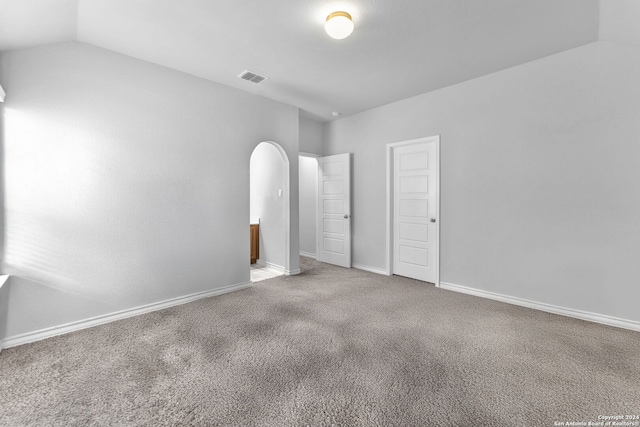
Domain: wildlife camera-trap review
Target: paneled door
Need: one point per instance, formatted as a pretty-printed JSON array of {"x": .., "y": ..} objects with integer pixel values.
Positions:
[
  {"x": 334, "y": 210},
  {"x": 415, "y": 209}
]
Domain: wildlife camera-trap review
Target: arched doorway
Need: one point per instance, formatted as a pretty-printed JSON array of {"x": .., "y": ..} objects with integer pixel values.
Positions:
[{"x": 270, "y": 204}]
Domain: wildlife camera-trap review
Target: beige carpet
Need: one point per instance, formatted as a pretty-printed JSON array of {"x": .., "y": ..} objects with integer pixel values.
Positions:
[{"x": 328, "y": 347}]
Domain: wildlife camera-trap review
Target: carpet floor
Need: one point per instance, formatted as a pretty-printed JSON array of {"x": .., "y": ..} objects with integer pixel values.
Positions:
[{"x": 331, "y": 346}]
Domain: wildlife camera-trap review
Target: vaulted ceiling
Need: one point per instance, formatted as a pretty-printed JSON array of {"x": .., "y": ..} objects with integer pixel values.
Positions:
[{"x": 399, "y": 48}]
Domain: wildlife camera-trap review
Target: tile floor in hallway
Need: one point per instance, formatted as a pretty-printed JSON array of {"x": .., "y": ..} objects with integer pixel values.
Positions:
[{"x": 260, "y": 272}]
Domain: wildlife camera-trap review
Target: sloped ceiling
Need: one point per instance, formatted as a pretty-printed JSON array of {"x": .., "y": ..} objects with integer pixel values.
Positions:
[
  {"x": 620, "y": 21},
  {"x": 28, "y": 23},
  {"x": 399, "y": 48}
]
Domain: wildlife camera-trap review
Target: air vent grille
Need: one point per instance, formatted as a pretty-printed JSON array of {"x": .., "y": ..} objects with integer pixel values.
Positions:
[{"x": 252, "y": 77}]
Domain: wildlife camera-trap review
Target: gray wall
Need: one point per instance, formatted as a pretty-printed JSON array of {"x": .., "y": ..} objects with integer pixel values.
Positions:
[
  {"x": 4, "y": 306},
  {"x": 539, "y": 178},
  {"x": 311, "y": 136},
  {"x": 267, "y": 171},
  {"x": 127, "y": 183}
]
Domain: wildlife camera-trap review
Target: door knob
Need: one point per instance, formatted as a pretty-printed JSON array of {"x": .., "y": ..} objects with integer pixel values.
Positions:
[
  {"x": 346, "y": 216},
  {"x": 433, "y": 220}
]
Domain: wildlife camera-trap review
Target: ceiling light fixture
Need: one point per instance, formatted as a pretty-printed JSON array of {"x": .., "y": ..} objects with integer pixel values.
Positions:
[{"x": 339, "y": 25}]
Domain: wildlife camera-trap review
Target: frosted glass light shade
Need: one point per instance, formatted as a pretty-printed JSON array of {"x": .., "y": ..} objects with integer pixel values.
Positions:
[{"x": 339, "y": 25}]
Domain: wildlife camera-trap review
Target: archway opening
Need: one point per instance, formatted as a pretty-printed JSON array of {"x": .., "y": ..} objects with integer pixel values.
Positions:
[{"x": 269, "y": 210}]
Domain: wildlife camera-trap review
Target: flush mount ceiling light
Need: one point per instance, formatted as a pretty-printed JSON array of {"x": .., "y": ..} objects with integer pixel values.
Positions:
[{"x": 339, "y": 25}]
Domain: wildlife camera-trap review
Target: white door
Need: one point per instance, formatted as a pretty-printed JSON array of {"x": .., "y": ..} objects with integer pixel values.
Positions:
[
  {"x": 334, "y": 210},
  {"x": 415, "y": 209}
]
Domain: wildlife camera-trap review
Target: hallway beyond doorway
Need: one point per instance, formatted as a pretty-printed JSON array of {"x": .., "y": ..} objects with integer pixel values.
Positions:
[{"x": 261, "y": 272}]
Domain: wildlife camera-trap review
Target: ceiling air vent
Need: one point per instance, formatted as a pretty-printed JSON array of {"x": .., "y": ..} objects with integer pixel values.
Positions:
[{"x": 252, "y": 77}]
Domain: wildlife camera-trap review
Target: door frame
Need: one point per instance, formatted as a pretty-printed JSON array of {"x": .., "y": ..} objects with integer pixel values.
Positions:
[
  {"x": 390, "y": 172},
  {"x": 315, "y": 189}
]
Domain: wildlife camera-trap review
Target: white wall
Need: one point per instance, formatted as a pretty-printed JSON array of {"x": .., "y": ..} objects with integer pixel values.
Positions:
[
  {"x": 539, "y": 178},
  {"x": 127, "y": 183},
  {"x": 308, "y": 199},
  {"x": 267, "y": 181}
]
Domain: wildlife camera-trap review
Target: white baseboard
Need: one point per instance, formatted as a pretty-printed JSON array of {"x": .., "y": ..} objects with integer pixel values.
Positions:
[
  {"x": 278, "y": 268},
  {"x": 112, "y": 317},
  {"x": 271, "y": 265},
  {"x": 370, "y": 269},
  {"x": 308, "y": 254},
  {"x": 563, "y": 311}
]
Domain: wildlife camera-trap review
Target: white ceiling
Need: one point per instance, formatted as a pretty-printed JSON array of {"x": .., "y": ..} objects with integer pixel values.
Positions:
[{"x": 399, "y": 48}]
